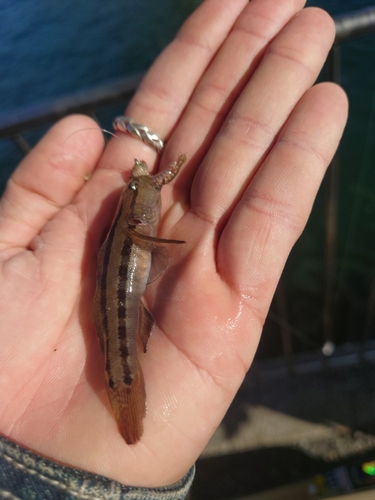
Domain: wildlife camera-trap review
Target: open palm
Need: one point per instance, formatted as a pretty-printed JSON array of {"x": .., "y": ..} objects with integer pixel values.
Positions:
[{"x": 233, "y": 92}]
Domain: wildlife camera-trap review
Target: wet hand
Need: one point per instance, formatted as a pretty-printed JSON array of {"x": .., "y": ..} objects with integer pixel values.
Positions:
[{"x": 234, "y": 92}]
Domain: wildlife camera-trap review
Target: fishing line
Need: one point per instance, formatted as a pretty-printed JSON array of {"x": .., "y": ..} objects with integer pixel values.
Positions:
[
  {"x": 104, "y": 133},
  {"x": 299, "y": 334}
]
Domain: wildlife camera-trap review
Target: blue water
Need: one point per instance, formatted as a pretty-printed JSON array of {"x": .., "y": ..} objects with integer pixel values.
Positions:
[{"x": 53, "y": 48}]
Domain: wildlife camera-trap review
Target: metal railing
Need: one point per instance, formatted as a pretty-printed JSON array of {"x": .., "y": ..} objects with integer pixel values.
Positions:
[
  {"x": 348, "y": 25},
  {"x": 87, "y": 102}
]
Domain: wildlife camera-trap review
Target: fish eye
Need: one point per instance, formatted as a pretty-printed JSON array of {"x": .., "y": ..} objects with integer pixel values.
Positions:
[{"x": 133, "y": 185}]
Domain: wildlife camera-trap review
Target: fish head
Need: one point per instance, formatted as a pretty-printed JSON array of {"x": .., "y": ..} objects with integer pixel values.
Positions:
[{"x": 145, "y": 206}]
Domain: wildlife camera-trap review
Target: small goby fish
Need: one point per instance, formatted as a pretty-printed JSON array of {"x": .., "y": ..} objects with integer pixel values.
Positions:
[{"x": 124, "y": 270}]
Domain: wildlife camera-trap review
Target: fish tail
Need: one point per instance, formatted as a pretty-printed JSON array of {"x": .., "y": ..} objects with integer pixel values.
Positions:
[{"x": 129, "y": 407}]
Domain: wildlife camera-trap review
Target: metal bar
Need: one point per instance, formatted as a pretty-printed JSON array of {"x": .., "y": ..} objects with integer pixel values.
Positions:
[
  {"x": 282, "y": 312},
  {"x": 334, "y": 64},
  {"x": 313, "y": 362},
  {"x": 330, "y": 264},
  {"x": 354, "y": 23},
  {"x": 22, "y": 143},
  {"x": 370, "y": 317},
  {"x": 82, "y": 102},
  {"x": 331, "y": 184}
]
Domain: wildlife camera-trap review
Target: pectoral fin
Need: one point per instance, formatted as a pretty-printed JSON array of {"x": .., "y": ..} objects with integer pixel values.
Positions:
[
  {"x": 139, "y": 237},
  {"x": 159, "y": 263},
  {"x": 145, "y": 323}
]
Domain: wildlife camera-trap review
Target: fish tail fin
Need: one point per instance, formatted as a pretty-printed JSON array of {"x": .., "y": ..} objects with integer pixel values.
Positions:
[{"x": 129, "y": 407}]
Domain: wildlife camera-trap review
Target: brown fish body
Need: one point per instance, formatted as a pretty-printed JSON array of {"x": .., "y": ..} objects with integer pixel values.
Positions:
[{"x": 124, "y": 266}]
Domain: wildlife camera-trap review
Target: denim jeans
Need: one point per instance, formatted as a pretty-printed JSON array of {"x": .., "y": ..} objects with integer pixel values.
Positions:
[{"x": 25, "y": 475}]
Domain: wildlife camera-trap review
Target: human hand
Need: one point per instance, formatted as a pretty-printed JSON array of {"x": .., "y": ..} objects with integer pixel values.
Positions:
[{"x": 233, "y": 91}]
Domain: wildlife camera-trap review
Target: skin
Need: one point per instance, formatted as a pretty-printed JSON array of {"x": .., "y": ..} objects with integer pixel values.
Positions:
[{"x": 234, "y": 91}]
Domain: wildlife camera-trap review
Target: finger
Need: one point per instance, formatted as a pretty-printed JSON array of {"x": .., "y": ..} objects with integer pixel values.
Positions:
[
  {"x": 48, "y": 179},
  {"x": 290, "y": 66},
  {"x": 224, "y": 80},
  {"x": 167, "y": 87},
  {"x": 274, "y": 209}
]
